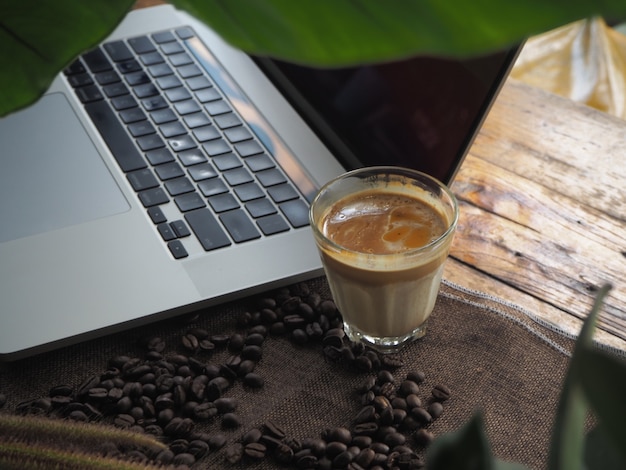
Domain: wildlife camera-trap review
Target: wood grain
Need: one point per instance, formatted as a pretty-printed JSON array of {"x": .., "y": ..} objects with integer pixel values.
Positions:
[{"x": 542, "y": 207}]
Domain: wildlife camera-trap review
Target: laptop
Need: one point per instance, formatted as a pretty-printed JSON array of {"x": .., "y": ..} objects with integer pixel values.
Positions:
[{"x": 165, "y": 172}]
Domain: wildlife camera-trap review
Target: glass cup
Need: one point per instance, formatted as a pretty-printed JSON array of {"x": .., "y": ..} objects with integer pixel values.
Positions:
[{"x": 383, "y": 234}]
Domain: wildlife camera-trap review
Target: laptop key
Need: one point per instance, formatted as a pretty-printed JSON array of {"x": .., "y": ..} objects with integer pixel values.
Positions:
[
  {"x": 180, "y": 228},
  {"x": 272, "y": 224},
  {"x": 156, "y": 215},
  {"x": 169, "y": 171},
  {"x": 115, "y": 136},
  {"x": 141, "y": 44},
  {"x": 212, "y": 187},
  {"x": 248, "y": 148},
  {"x": 96, "y": 61},
  {"x": 189, "y": 202},
  {"x": 125, "y": 102},
  {"x": 118, "y": 51},
  {"x": 207, "y": 229},
  {"x": 223, "y": 202},
  {"x": 239, "y": 226},
  {"x": 179, "y": 186},
  {"x": 259, "y": 163},
  {"x": 192, "y": 157},
  {"x": 177, "y": 249},
  {"x": 202, "y": 171},
  {"x": 159, "y": 156},
  {"x": 142, "y": 179},
  {"x": 166, "y": 232},
  {"x": 296, "y": 211},
  {"x": 260, "y": 208},
  {"x": 141, "y": 128},
  {"x": 150, "y": 142},
  {"x": 153, "y": 197},
  {"x": 282, "y": 192},
  {"x": 88, "y": 94}
]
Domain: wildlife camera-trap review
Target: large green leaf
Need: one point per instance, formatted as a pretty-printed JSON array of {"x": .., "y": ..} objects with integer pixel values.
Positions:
[
  {"x": 339, "y": 32},
  {"x": 38, "y": 38},
  {"x": 568, "y": 436},
  {"x": 465, "y": 449},
  {"x": 603, "y": 378},
  {"x": 600, "y": 452}
]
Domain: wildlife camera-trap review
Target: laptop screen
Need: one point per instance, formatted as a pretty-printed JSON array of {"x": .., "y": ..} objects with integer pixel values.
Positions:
[{"x": 420, "y": 113}]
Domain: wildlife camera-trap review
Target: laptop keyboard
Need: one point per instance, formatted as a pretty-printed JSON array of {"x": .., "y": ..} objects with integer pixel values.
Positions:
[{"x": 196, "y": 166}]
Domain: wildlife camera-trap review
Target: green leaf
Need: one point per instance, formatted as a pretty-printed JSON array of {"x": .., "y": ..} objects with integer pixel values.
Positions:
[
  {"x": 603, "y": 379},
  {"x": 464, "y": 449},
  {"x": 338, "y": 32},
  {"x": 567, "y": 444},
  {"x": 600, "y": 453},
  {"x": 38, "y": 38}
]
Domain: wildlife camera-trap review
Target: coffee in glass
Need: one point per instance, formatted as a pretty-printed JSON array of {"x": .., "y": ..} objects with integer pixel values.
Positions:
[{"x": 383, "y": 234}]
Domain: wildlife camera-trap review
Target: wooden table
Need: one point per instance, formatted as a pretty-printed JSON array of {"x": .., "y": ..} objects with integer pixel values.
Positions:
[{"x": 543, "y": 210}]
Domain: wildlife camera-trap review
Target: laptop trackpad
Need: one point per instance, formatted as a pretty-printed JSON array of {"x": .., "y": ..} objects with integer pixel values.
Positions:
[{"x": 51, "y": 174}]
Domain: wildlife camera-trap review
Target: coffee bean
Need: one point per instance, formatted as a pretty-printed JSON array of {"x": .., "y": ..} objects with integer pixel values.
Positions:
[
  {"x": 416, "y": 376},
  {"x": 230, "y": 421},
  {"x": 299, "y": 336},
  {"x": 381, "y": 402},
  {"x": 441, "y": 392},
  {"x": 424, "y": 437},
  {"x": 246, "y": 367},
  {"x": 179, "y": 446},
  {"x": 235, "y": 342},
  {"x": 216, "y": 441},
  {"x": 184, "y": 459},
  {"x": 413, "y": 401},
  {"x": 342, "y": 460},
  {"x": 253, "y": 380},
  {"x": 205, "y": 411},
  {"x": 198, "y": 448},
  {"x": 60, "y": 390},
  {"x": 252, "y": 352},
  {"x": 274, "y": 430},
  {"x": 268, "y": 316},
  {"x": 340, "y": 434},
  {"x": 328, "y": 308},
  {"x": 421, "y": 415},
  {"x": 394, "y": 439},
  {"x": 255, "y": 450},
  {"x": 165, "y": 457},
  {"x": 234, "y": 453},
  {"x": 363, "y": 363},
  {"x": 283, "y": 454},
  {"x": 392, "y": 361},
  {"x": 225, "y": 404},
  {"x": 253, "y": 435},
  {"x": 435, "y": 409},
  {"x": 366, "y": 414},
  {"x": 335, "y": 448},
  {"x": 124, "y": 421},
  {"x": 408, "y": 387},
  {"x": 365, "y": 429}
]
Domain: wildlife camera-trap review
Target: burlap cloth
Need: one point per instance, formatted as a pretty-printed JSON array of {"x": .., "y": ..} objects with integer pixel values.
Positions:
[{"x": 495, "y": 357}]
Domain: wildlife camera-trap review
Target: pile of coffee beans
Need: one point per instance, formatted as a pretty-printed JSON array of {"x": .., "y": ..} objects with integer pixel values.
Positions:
[
  {"x": 377, "y": 438},
  {"x": 169, "y": 390}
]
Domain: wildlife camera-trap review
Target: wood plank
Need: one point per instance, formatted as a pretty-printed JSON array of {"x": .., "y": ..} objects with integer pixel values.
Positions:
[
  {"x": 530, "y": 219},
  {"x": 469, "y": 277},
  {"x": 571, "y": 148}
]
